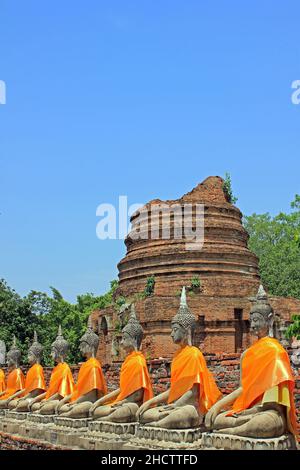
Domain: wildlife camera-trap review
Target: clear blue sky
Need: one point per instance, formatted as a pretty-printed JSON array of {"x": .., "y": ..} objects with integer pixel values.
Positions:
[{"x": 138, "y": 98}]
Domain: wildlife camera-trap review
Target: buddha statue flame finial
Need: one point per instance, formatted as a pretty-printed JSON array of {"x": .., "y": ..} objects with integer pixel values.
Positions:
[{"x": 184, "y": 316}]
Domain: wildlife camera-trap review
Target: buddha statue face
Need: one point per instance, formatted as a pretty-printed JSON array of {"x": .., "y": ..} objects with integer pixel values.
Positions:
[
  {"x": 179, "y": 334},
  {"x": 85, "y": 349},
  {"x": 258, "y": 324},
  {"x": 55, "y": 355},
  {"x": 128, "y": 343},
  {"x": 31, "y": 358},
  {"x": 89, "y": 342}
]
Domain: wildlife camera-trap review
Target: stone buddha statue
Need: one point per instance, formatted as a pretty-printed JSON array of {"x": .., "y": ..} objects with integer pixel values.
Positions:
[
  {"x": 263, "y": 405},
  {"x": 61, "y": 380},
  {"x": 121, "y": 405},
  {"x": 193, "y": 390},
  {"x": 34, "y": 382},
  {"x": 91, "y": 383},
  {"x": 15, "y": 379},
  {"x": 2, "y": 362}
]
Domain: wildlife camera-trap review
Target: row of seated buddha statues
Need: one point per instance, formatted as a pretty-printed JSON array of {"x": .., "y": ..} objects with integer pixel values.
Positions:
[{"x": 261, "y": 407}]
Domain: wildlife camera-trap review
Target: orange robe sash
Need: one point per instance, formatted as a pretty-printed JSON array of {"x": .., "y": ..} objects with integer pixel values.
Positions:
[
  {"x": 90, "y": 377},
  {"x": 35, "y": 379},
  {"x": 61, "y": 381},
  {"x": 2, "y": 381},
  {"x": 265, "y": 365},
  {"x": 134, "y": 375},
  {"x": 188, "y": 368},
  {"x": 15, "y": 382}
]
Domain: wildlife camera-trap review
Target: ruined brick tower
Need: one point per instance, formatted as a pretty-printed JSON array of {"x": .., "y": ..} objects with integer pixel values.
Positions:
[{"x": 227, "y": 271}]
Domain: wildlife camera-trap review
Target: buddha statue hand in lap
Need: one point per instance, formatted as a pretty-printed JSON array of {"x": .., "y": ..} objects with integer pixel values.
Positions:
[
  {"x": 263, "y": 405},
  {"x": 193, "y": 390},
  {"x": 61, "y": 380},
  {"x": 15, "y": 379},
  {"x": 121, "y": 405},
  {"x": 91, "y": 383},
  {"x": 34, "y": 382}
]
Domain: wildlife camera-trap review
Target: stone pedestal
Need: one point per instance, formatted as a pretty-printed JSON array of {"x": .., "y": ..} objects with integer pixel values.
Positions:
[
  {"x": 148, "y": 437},
  {"x": 40, "y": 419},
  {"x": 103, "y": 435},
  {"x": 16, "y": 415},
  {"x": 66, "y": 431},
  {"x": 11, "y": 421},
  {"x": 3, "y": 413},
  {"x": 228, "y": 442},
  {"x": 35, "y": 425}
]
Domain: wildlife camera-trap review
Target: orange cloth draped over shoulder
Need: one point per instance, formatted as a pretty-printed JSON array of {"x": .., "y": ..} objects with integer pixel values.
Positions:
[
  {"x": 2, "y": 381},
  {"x": 90, "y": 377},
  {"x": 188, "y": 368},
  {"x": 61, "y": 381},
  {"x": 15, "y": 382},
  {"x": 34, "y": 379},
  {"x": 265, "y": 365},
  {"x": 134, "y": 375}
]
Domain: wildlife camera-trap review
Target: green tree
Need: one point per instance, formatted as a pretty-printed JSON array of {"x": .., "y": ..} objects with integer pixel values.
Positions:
[
  {"x": 43, "y": 313},
  {"x": 275, "y": 240},
  {"x": 16, "y": 318}
]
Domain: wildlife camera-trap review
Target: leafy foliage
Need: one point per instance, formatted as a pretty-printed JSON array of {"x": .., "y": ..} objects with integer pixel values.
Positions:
[
  {"x": 293, "y": 330},
  {"x": 275, "y": 240},
  {"x": 150, "y": 284},
  {"x": 37, "y": 311},
  {"x": 196, "y": 283},
  {"x": 227, "y": 188}
]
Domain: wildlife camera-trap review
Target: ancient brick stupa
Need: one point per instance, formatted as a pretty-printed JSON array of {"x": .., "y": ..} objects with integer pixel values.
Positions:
[{"x": 220, "y": 277}]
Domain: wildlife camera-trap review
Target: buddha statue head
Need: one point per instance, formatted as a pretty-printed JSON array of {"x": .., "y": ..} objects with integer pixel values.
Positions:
[
  {"x": 261, "y": 315},
  {"x": 35, "y": 351},
  {"x": 183, "y": 323},
  {"x": 13, "y": 355},
  {"x": 132, "y": 333},
  {"x": 89, "y": 341},
  {"x": 59, "y": 347}
]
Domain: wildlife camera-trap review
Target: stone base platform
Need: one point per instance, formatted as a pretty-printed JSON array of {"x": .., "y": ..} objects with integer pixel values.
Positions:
[
  {"x": 11, "y": 421},
  {"x": 66, "y": 431},
  {"x": 16, "y": 415},
  {"x": 40, "y": 419},
  {"x": 215, "y": 441},
  {"x": 104, "y": 435},
  {"x": 148, "y": 437},
  {"x": 3, "y": 413}
]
